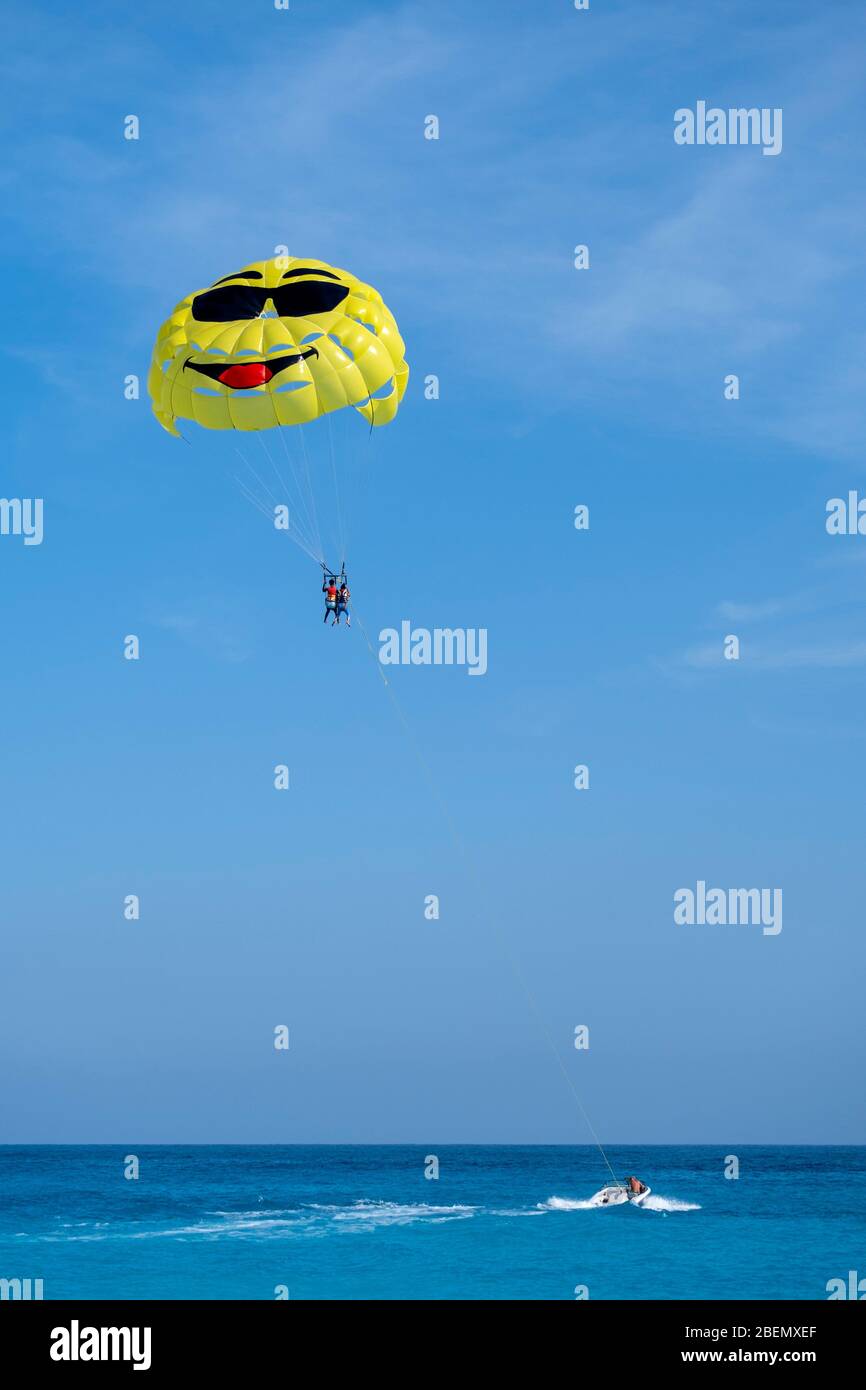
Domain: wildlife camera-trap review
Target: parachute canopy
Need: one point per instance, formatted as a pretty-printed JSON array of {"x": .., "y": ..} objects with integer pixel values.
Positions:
[{"x": 280, "y": 342}]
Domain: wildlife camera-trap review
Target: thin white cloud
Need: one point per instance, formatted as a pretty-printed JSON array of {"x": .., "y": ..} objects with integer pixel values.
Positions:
[
  {"x": 820, "y": 656},
  {"x": 758, "y": 611},
  {"x": 764, "y": 656},
  {"x": 207, "y": 626}
]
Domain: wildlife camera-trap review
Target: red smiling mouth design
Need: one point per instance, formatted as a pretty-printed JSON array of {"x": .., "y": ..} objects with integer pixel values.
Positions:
[
  {"x": 253, "y": 374},
  {"x": 240, "y": 376}
]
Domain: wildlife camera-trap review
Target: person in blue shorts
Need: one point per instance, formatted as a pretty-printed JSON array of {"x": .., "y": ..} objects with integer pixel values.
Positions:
[{"x": 343, "y": 597}]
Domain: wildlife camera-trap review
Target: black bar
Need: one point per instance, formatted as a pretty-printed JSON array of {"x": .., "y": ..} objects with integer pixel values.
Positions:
[{"x": 282, "y": 1336}]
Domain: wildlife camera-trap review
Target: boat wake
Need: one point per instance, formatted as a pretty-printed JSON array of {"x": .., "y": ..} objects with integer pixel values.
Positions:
[
  {"x": 654, "y": 1203},
  {"x": 651, "y": 1203},
  {"x": 564, "y": 1204},
  {"x": 321, "y": 1219}
]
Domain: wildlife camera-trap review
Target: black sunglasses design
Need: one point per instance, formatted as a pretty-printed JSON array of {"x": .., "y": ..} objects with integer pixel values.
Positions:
[{"x": 300, "y": 300}]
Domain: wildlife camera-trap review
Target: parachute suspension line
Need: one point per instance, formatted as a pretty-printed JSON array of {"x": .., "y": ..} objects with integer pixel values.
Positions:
[
  {"x": 355, "y": 475},
  {"x": 256, "y": 499},
  {"x": 245, "y": 461},
  {"x": 362, "y": 475},
  {"x": 340, "y": 527},
  {"x": 259, "y": 480},
  {"x": 299, "y": 538},
  {"x": 510, "y": 958},
  {"x": 311, "y": 492},
  {"x": 285, "y": 489},
  {"x": 250, "y": 496},
  {"x": 266, "y": 512},
  {"x": 299, "y": 520},
  {"x": 309, "y": 536}
]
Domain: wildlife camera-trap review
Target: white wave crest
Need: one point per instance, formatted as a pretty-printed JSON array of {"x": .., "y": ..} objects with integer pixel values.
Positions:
[
  {"x": 651, "y": 1203},
  {"x": 366, "y": 1213},
  {"x": 565, "y": 1204},
  {"x": 654, "y": 1203}
]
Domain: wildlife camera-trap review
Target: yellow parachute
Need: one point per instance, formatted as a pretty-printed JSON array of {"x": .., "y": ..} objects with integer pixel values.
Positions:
[{"x": 281, "y": 342}]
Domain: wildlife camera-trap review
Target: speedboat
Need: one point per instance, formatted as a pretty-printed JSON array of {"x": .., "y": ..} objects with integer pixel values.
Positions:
[
  {"x": 615, "y": 1196},
  {"x": 609, "y": 1197}
]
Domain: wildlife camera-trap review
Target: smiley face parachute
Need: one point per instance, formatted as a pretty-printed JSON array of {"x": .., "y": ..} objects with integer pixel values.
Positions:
[{"x": 283, "y": 342}]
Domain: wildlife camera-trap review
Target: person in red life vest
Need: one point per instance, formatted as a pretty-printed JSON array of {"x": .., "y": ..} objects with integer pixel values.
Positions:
[
  {"x": 329, "y": 589},
  {"x": 343, "y": 597}
]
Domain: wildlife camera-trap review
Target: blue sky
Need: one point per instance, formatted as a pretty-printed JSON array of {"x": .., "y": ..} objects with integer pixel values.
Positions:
[{"x": 261, "y": 128}]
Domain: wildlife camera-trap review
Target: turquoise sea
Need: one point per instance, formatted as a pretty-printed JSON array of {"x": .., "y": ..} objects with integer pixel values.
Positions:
[{"x": 359, "y": 1222}]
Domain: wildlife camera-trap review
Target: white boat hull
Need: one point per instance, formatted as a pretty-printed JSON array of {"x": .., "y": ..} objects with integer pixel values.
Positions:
[{"x": 618, "y": 1196}]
